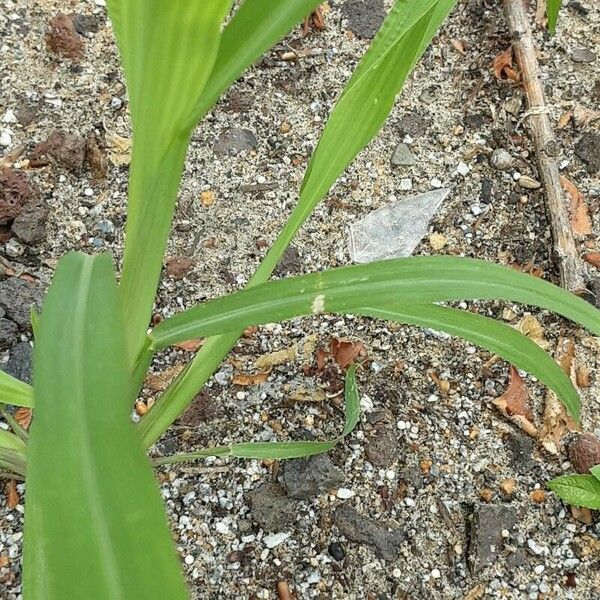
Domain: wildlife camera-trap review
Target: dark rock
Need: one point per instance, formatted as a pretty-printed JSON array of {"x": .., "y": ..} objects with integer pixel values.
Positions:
[
  {"x": 20, "y": 362},
  {"x": 235, "y": 141},
  {"x": 86, "y": 24},
  {"x": 15, "y": 192},
  {"x": 27, "y": 114},
  {"x": 238, "y": 102},
  {"x": 517, "y": 559},
  {"x": 486, "y": 540},
  {"x": 62, "y": 38},
  {"x": 402, "y": 156},
  {"x": 17, "y": 297},
  {"x": 358, "y": 528},
  {"x": 486, "y": 191},
  {"x": 270, "y": 508},
  {"x": 588, "y": 150},
  {"x": 475, "y": 121},
  {"x": 336, "y": 551},
  {"x": 582, "y": 55},
  {"x": 65, "y": 149},
  {"x": 308, "y": 477},
  {"x": 364, "y": 17},
  {"x": 381, "y": 448},
  {"x": 584, "y": 452},
  {"x": 412, "y": 475},
  {"x": 8, "y": 333},
  {"x": 30, "y": 225},
  {"x": 290, "y": 262},
  {"x": 521, "y": 448},
  {"x": 413, "y": 124}
]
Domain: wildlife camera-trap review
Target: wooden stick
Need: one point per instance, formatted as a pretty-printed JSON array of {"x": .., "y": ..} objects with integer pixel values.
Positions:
[{"x": 572, "y": 270}]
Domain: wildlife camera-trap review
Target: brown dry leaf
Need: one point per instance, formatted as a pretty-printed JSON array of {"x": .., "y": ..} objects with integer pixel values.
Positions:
[
  {"x": 514, "y": 404},
  {"x": 321, "y": 358},
  {"x": 593, "y": 258},
  {"x": 191, "y": 345},
  {"x": 178, "y": 267},
  {"x": 246, "y": 379},
  {"x": 580, "y": 218},
  {"x": 279, "y": 357},
  {"x": 477, "y": 592},
  {"x": 503, "y": 66},
  {"x": 23, "y": 417},
  {"x": 582, "y": 376},
  {"x": 458, "y": 45},
  {"x": 582, "y": 514},
  {"x": 4, "y": 561},
  {"x": 532, "y": 328},
  {"x": 157, "y": 382},
  {"x": 584, "y": 116},
  {"x": 207, "y": 198},
  {"x": 119, "y": 148},
  {"x": 345, "y": 352},
  {"x": 12, "y": 495},
  {"x": 564, "y": 120},
  {"x": 556, "y": 420}
]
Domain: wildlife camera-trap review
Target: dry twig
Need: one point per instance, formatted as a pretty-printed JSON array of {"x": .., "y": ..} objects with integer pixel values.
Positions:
[{"x": 572, "y": 269}]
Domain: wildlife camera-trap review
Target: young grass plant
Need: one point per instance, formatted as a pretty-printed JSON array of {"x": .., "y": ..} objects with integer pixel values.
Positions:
[{"x": 92, "y": 508}]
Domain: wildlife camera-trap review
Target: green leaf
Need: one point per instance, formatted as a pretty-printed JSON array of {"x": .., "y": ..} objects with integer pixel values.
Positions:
[
  {"x": 415, "y": 280},
  {"x": 13, "y": 453},
  {"x": 493, "y": 335},
  {"x": 14, "y": 391},
  {"x": 168, "y": 50},
  {"x": 95, "y": 527},
  {"x": 552, "y": 9},
  {"x": 579, "y": 490},
  {"x": 256, "y": 26},
  {"x": 282, "y": 450},
  {"x": 595, "y": 471}
]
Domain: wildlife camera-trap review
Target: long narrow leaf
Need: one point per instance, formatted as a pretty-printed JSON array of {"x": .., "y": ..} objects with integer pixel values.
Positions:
[
  {"x": 552, "y": 10},
  {"x": 14, "y": 391},
  {"x": 168, "y": 50},
  {"x": 416, "y": 280},
  {"x": 95, "y": 527},
  {"x": 13, "y": 453},
  {"x": 283, "y": 450},
  {"x": 254, "y": 28}
]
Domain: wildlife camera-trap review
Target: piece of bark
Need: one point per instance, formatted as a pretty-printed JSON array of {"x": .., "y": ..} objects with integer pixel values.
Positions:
[{"x": 571, "y": 267}]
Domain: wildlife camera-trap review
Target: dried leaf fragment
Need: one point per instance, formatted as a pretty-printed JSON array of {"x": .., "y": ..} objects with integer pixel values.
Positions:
[
  {"x": 157, "y": 382},
  {"x": 503, "y": 66},
  {"x": 12, "y": 495},
  {"x": 191, "y": 345},
  {"x": 514, "y": 404},
  {"x": 580, "y": 218},
  {"x": 23, "y": 417},
  {"x": 532, "y": 328},
  {"x": 119, "y": 148},
  {"x": 593, "y": 258},
  {"x": 345, "y": 352},
  {"x": 248, "y": 379}
]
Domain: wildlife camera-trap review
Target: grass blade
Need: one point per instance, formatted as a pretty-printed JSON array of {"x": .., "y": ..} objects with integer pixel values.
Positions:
[
  {"x": 254, "y": 28},
  {"x": 168, "y": 50},
  {"x": 283, "y": 450},
  {"x": 416, "y": 280},
  {"x": 552, "y": 10},
  {"x": 14, "y": 391},
  {"x": 13, "y": 453},
  {"x": 579, "y": 490},
  {"x": 492, "y": 335},
  {"x": 92, "y": 509}
]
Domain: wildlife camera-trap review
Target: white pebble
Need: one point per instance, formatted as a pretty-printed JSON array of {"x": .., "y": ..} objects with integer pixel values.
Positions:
[
  {"x": 5, "y": 138},
  {"x": 462, "y": 169},
  {"x": 344, "y": 493},
  {"x": 406, "y": 184},
  {"x": 189, "y": 559},
  {"x": 436, "y": 183},
  {"x": 241, "y": 395},
  {"x": 9, "y": 117},
  {"x": 409, "y": 502},
  {"x": 435, "y": 573},
  {"x": 274, "y": 539},
  {"x": 539, "y": 569}
]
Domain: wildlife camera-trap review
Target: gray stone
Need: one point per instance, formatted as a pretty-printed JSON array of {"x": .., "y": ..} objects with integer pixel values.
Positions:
[
  {"x": 235, "y": 141},
  {"x": 587, "y": 149},
  {"x": 8, "y": 333},
  {"x": 501, "y": 159},
  {"x": 270, "y": 508},
  {"x": 308, "y": 477},
  {"x": 17, "y": 296},
  {"x": 413, "y": 124},
  {"x": 486, "y": 540},
  {"x": 381, "y": 449},
  {"x": 364, "y": 16},
  {"x": 30, "y": 225},
  {"x": 582, "y": 55},
  {"x": 521, "y": 448},
  {"x": 362, "y": 530},
  {"x": 402, "y": 156},
  {"x": 20, "y": 362}
]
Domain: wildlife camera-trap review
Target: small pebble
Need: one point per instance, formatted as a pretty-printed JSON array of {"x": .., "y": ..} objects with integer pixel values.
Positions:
[
  {"x": 501, "y": 159},
  {"x": 462, "y": 169},
  {"x": 435, "y": 573},
  {"x": 189, "y": 559},
  {"x": 344, "y": 493},
  {"x": 274, "y": 539},
  {"x": 582, "y": 55},
  {"x": 5, "y": 138},
  {"x": 529, "y": 183},
  {"x": 336, "y": 550}
]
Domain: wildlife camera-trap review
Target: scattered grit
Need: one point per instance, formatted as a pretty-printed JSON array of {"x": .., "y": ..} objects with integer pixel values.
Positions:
[{"x": 435, "y": 495}]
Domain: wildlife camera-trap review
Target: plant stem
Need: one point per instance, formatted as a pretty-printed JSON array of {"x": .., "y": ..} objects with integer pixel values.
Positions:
[
  {"x": 185, "y": 457},
  {"x": 18, "y": 429}
]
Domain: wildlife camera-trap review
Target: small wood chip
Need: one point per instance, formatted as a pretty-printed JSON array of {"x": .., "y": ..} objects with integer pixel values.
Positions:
[{"x": 12, "y": 495}]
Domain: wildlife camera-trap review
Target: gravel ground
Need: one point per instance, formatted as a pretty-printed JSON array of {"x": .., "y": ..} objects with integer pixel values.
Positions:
[{"x": 436, "y": 494}]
